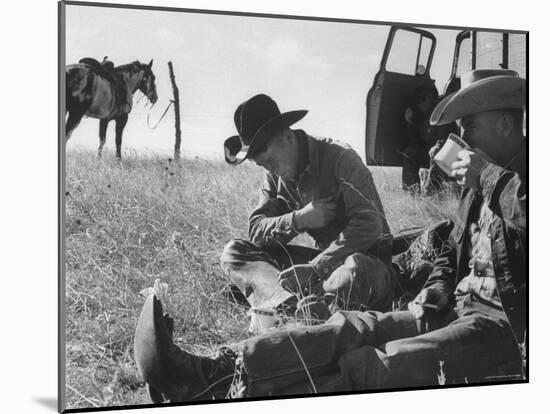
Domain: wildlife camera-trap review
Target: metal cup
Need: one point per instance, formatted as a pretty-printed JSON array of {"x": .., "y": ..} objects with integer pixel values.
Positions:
[
  {"x": 449, "y": 152},
  {"x": 262, "y": 319}
]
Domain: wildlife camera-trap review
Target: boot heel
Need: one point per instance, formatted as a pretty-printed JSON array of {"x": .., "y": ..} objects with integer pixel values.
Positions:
[{"x": 155, "y": 396}]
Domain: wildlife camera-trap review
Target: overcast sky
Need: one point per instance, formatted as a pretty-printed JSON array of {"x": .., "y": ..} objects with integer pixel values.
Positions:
[{"x": 220, "y": 61}]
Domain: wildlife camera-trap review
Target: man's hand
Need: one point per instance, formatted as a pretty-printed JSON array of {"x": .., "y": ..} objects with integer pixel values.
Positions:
[
  {"x": 297, "y": 278},
  {"x": 316, "y": 214},
  {"x": 468, "y": 168},
  {"x": 429, "y": 298}
]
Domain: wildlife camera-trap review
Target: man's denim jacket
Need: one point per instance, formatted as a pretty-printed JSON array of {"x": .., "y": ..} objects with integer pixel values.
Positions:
[
  {"x": 334, "y": 170},
  {"x": 505, "y": 190}
]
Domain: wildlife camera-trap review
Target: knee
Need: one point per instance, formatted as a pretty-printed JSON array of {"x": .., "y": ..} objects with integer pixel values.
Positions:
[
  {"x": 231, "y": 253},
  {"x": 487, "y": 328},
  {"x": 239, "y": 252},
  {"x": 232, "y": 250},
  {"x": 368, "y": 279},
  {"x": 343, "y": 276},
  {"x": 491, "y": 330}
]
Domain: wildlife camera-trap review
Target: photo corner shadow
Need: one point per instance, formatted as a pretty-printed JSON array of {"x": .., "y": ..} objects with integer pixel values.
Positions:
[{"x": 48, "y": 402}]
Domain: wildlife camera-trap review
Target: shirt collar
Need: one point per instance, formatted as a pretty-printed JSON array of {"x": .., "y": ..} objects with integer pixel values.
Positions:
[{"x": 312, "y": 167}]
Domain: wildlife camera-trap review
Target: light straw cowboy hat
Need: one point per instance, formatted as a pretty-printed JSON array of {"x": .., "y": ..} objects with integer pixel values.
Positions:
[
  {"x": 252, "y": 119},
  {"x": 481, "y": 90}
]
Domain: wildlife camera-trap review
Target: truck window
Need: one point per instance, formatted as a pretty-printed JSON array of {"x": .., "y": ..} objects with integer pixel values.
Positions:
[
  {"x": 409, "y": 53},
  {"x": 517, "y": 55},
  {"x": 489, "y": 50},
  {"x": 424, "y": 54},
  {"x": 464, "y": 57}
]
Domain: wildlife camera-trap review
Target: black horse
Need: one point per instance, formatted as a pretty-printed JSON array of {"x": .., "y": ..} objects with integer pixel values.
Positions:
[{"x": 100, "y": 90}]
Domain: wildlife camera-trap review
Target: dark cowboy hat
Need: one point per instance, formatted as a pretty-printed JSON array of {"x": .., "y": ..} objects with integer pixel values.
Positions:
[
  {"x": 252, "y": 118},
  {"x": 481, "y": 90}
]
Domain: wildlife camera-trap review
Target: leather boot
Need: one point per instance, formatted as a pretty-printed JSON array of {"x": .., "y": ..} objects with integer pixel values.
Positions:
[{"x": 170, "y": 373}]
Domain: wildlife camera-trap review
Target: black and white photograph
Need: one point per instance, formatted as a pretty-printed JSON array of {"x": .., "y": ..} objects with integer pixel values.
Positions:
[{"x": 262, "y": 206}]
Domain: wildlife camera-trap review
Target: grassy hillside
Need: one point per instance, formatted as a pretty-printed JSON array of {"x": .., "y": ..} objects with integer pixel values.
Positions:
[{"x": 145, "y": 218}]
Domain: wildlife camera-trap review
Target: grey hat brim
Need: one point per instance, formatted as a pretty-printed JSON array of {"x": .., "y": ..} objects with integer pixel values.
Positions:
[{"x": 489, "y": 94}]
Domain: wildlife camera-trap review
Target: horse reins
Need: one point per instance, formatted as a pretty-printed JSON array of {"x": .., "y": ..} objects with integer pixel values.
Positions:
[
  {"x": 162, "y": 116},
  {"x": 151, "y": 107},
  {"x": 149, "y": 112},
  {"x": 141, "y": 98}
]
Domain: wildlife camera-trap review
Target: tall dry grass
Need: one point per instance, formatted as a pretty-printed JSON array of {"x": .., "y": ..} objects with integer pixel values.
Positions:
[{"x": 145, "y": 218}]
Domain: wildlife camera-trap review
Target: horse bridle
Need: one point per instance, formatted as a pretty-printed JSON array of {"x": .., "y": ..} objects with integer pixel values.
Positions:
[{"x": 140, "y": 85}]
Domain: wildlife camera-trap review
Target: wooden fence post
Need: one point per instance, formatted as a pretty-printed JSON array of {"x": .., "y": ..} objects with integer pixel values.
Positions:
[{"x": 177, "y": 112}]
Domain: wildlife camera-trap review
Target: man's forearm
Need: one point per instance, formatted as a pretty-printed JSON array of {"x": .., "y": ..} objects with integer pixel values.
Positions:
[
  {"x": 272, "y": 220},
  {"x": 265, "y": 230},
  {"x": 443, "y": 275}
]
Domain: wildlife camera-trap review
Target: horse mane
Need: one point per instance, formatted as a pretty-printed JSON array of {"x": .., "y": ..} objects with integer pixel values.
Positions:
[{"x": 134, "y": 66}]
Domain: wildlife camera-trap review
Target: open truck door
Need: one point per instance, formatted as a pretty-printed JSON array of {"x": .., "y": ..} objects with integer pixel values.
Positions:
[
  {"x": 405, "y": 66},
  {"x": 476, "y": 49},
  {"x": 462, "y": 61}
]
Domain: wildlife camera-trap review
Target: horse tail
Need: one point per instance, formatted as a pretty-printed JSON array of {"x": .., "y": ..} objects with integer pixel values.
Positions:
[{"x": 79, "y": 84}]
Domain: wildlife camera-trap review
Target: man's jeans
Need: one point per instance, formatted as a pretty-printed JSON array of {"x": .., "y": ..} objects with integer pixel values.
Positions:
[
  {"x": 362, "y": 280},
  {"x": 366, "y": 350}
]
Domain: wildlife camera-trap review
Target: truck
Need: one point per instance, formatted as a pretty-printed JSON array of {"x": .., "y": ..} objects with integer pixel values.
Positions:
[{"x": 405, "y": 66}]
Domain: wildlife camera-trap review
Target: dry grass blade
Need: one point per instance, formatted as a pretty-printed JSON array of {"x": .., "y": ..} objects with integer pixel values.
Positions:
[
  {"x": 303, "y": 363},
  {"x": 212, "y": 386},
  {"x": 82, "y": 396}
]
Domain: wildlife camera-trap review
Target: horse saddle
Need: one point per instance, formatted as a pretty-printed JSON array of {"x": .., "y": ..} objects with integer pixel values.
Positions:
[{"x": 106, "y": 70}]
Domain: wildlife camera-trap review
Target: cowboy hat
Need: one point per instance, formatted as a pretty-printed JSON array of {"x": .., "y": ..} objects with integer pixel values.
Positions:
[
  {"x": 481, "y": 90},
  {"x": 252, "y": 119}
]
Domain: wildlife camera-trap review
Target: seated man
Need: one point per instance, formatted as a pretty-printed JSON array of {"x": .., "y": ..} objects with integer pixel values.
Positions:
[
  {"x": 470, "y": 316},
  {"x": 312, "y": 185}
]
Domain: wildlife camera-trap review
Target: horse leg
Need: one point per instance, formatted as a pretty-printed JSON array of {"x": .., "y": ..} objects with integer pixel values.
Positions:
[
  {"x": 75, "y": 116},
  {"x": 120, "y": 124},
  {"x": 102, "y": 135}
]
